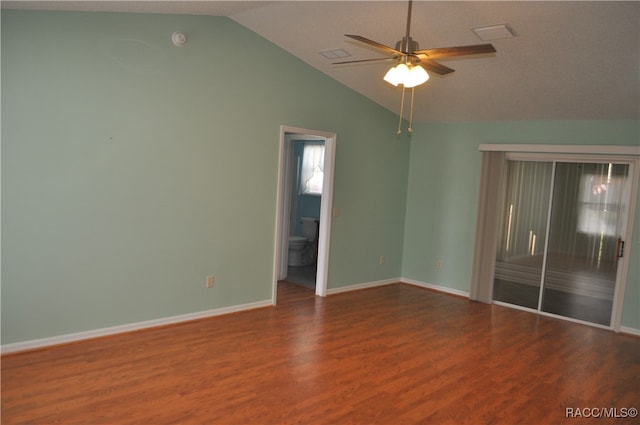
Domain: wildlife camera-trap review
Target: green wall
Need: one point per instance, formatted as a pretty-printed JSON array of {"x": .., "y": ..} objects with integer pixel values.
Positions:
[
  {"x": 443, "y": 194},
  {"x": 132, "y": 168}
]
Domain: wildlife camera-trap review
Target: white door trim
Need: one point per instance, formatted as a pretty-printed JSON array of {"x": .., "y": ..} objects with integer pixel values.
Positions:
[
  {"x": 283, "y": 202},
  {"x": 568, "y": 149}
]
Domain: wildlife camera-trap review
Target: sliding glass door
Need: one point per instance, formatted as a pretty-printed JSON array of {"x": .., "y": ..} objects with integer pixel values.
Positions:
[
  {"x": 560, "y": 237},
  {"x": 523, "y": 232}
]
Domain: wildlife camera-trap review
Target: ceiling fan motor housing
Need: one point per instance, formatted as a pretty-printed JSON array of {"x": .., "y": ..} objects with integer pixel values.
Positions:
[{"x": 407, "y": 45}]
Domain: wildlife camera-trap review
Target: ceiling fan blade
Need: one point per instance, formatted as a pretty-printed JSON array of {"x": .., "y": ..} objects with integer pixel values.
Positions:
[
  {"x": 375, "y": 44},
  {"x": 446, "y": 52},
  {"x": 435, "y": 67},
  {"x": 363, "y": 60}
]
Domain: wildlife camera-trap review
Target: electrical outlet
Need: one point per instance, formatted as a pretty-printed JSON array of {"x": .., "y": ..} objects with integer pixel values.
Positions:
[
  {"x": 381, "y": 261},
  {"x": 210, "y": 281},
  {"x": 439, "y": 264}
]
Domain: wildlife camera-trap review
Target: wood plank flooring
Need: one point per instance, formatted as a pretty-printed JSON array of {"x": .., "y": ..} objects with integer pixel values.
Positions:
[
  {"x": 292, "y": 292},
  {"x": 395, "y": 354}
]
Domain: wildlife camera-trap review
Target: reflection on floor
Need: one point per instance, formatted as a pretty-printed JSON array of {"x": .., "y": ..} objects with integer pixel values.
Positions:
[
  {"x": 574, "y": 286},
  {"x": 590, "y": 309},
  {"x": 303, "y": 275},
  {"x": 515, "y": 293}
]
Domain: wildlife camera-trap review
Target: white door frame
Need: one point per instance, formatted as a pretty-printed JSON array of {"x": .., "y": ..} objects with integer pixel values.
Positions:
[{"x": 283, "y": 205}]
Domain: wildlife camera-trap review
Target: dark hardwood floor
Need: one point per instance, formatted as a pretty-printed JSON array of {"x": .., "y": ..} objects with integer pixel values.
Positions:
[{"x": 395, "y": 354}]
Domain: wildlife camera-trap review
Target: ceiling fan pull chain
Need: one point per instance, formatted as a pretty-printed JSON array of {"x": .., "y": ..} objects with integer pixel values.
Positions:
[
  {"x": 401, "y": 109},
  {"x": 410, "y": 129}
]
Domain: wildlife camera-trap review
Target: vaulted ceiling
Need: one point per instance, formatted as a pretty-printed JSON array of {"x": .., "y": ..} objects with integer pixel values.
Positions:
[{"x": 568, "y": 60}]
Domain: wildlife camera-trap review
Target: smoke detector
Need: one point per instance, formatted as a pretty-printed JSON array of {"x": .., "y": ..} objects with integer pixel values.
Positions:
[{"x": 178, "y": 38}]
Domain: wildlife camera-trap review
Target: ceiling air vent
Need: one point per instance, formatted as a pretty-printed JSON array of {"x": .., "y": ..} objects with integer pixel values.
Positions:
[
  {"x": 335, "y": 54},
  {"x": 494, "y": 32}
]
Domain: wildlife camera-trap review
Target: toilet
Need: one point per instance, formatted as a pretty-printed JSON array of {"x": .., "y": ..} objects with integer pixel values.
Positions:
[{"x": 303, "y": 249}]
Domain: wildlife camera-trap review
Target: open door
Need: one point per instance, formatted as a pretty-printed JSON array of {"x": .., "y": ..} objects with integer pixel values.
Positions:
[{"x": 286, "y": 175}]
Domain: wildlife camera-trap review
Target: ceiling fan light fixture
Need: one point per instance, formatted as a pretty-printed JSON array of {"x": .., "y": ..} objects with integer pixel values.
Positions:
[
  {"x": 408, "y": 71},
  {"x": 417, "y": 75},
  {"x": 407, "y": 76},
  {"x": 397, "y": 74}
]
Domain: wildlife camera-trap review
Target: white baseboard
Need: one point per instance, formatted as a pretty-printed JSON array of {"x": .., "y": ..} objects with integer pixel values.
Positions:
[
  {"x": 396, "y": 280},
  {"x": 623, "y": 329},
  {"x": 79, "y": 336},
  {"x": 438, "y": 288},
  {"x": 365, "y": 285},
  {"x": 629, "y": 331}
]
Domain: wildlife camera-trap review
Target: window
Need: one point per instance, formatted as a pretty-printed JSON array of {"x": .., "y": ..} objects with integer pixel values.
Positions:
[
  {"x": 601, "y": 195},
  {"x": 312, "y": 170}
]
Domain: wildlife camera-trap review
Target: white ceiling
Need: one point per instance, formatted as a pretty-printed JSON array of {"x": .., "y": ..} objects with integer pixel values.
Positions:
[{"x": 569, "y": 60}]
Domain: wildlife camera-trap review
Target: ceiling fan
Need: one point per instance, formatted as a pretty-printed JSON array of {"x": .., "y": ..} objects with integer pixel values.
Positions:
[{"x": 411, "y": 61}]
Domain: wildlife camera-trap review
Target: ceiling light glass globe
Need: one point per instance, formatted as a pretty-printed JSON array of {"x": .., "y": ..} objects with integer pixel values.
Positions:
[
  {"x": 391, "y": 77},
  {"x": 397, "y": 75},
  {"x": 416, "y": 76}
]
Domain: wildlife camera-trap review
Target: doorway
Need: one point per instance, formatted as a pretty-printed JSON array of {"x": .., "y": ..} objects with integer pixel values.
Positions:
[
  {"x": 561, "y": 237},
  {"x": 298, "y": 202}
]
